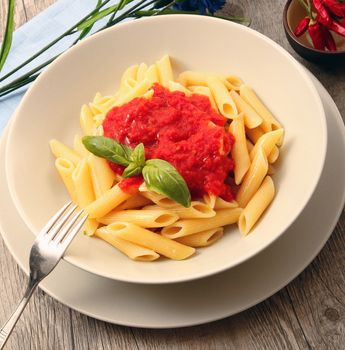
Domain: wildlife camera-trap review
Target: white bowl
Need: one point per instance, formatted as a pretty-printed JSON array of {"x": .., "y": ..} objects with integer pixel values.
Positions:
[{"x": 50, "y": 109}]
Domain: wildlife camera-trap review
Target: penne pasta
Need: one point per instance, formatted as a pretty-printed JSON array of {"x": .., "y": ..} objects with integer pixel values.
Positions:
[
  {"x": 250, "y": 146},
  {"x": 151, "y": 240},
  {"x": 136, "y": 91},
  {"x": 165, "y": 72},
  {"x": 210, "y": 200},
  {"x": 101, "y": 104},
  {"x": 83, "y": 184},
  {"x": 268, "y": 142},
  {"x": 129, "y": 73},
  {"x": 90, "y": 227},
  {"x": 173, "y": 86},
  {"x": 133, "y": 251},
  {"x": 196, "y": 210},
  {"x": 84, "y": 192},
  {"x": 101, "y": 175},
  {"x": 134, "y": 202},
  {"x": 188, "y": 227},
  {"x": 202, "y": 239},
  {"x": 62, "y": 151},
  {"x": 225, "y": 104},
  {"x": 152, "y": 74},
  {"x": 107, "y": 202},
  {"x": 239, "y": 149},
  {"x": 86, "y": 120},
  {"x": 269, "y": 122},
  {"x": 156, "y": 198},
  {"x": 256, "y": 206},
  {"x": 65, "y": 169},
  {"x": 143, "y": 218},
  {"x": 253, "y": 179},
  {"x": 254, "y": 135},
  {"x": 141, "y": 73},
  {"x": 223, "y": 204},
  {"x": 251, "y": 118},
  {"x": 233, "y": 82},
  {"x": 79, "y": 147},
  {"x": 188, "y": 78}
]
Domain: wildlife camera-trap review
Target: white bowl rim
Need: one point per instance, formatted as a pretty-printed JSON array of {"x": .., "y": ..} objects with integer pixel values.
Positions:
[{"x": 303, "y": 73}]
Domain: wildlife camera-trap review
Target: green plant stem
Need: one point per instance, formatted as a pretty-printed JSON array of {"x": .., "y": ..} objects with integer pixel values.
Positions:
[
  {"x": 15, "y": 87},
  {"x": 27, "y": 75},
  {"x": 305, "y": 5},
  {"x": 154, "y": 12},
  {"x": 139, "y": 6},
  {"x": 120, "y": 6},
  {"x": 45, "y": 48},
  {"x": 7, "y": 41}
]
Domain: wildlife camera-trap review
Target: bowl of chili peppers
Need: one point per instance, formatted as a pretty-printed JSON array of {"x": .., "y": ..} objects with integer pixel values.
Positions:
[{"x": 316, "y": 29}]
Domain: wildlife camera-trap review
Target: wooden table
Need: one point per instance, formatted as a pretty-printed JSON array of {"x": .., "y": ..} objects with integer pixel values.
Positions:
[{"x": 307, "y": 314}]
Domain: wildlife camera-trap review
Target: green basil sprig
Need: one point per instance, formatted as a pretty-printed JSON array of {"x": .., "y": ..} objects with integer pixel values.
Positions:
[{"x": 159, "y": 175}]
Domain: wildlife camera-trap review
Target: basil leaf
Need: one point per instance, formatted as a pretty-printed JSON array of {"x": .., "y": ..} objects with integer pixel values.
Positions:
[
  {"x": 161, "y": 177},
  {"x": 133, "y": 169},
  {"x": 108, "y": 148},
  {"x": 138, "y": 155}
]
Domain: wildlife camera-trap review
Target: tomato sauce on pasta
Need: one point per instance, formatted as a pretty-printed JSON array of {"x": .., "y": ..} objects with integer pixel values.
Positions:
[{"x": 183, "y": 130}]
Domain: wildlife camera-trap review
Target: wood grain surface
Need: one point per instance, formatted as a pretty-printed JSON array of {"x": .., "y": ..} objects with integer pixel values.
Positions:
[{"x": 308, "y": 314}]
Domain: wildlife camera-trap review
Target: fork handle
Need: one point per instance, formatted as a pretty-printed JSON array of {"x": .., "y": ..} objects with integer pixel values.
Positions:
[{"x": 7, "y": 329}]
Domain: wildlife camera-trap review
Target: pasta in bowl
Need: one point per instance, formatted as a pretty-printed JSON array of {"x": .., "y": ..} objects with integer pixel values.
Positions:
[
  {"x": 175, "y": 159},
  {"x": 213, "y": 129}
]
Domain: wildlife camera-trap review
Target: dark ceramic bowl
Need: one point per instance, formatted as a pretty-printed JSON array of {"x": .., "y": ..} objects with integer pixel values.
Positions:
[{"x": 293, "y": 13}]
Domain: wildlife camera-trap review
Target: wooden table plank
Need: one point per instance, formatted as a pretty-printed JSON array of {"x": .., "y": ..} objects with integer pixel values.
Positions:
[{"x": 308, "y": 314}]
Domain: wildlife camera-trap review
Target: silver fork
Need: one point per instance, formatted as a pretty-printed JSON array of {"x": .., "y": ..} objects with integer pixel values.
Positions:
[{"x": 47, "y": 250}]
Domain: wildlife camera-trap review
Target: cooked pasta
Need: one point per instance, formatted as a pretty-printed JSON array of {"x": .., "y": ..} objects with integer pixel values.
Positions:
[
  {"x": 61, "y": 151},
  {"x": 144, "y": 218},
  {"x": 187, "y": 227},
  {"x": 240, "y": 141},
  {"x": 107, "y": 202},
  {"x": 160, "y": 244},
  {"x": 65, "y": 169},
  {"x": 197, "y": 210},
  {"x": 252, "y": 180},
  {"x": 239, "y": 150},
  {"x": 226, "y": 105},
  {"x": 202, "y": 239},
  {"x": 269, "y": 122},
  {"x": 133, "y": 251},
  {"x": 251, "y": 118},
  {"x": 256, "y": 206}
]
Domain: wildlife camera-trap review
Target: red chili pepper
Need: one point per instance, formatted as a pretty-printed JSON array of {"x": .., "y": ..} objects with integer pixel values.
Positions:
[
  {"x": 337, "y": 27},
  {"x": 316, "y": 36},
  {"x": 329, "y": 40},
  {"x": 342, "y": 21},
  {"x": 322, "y": 13},
  {"x": 335, "y": 7},
  {"x": 302, "y": 26}
]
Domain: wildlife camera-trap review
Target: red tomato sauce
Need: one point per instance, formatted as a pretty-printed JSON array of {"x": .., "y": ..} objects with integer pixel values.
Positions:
[
  {"x": 182, "y": 130},
  {"x": 131, "y": 184}
]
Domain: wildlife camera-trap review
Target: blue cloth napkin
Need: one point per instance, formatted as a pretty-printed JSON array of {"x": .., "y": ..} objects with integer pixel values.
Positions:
[{"x": 33, "y": 36}]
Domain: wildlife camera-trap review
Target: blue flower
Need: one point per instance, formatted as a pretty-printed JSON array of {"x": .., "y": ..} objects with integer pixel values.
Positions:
[{"x": 203, "y": 6}]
